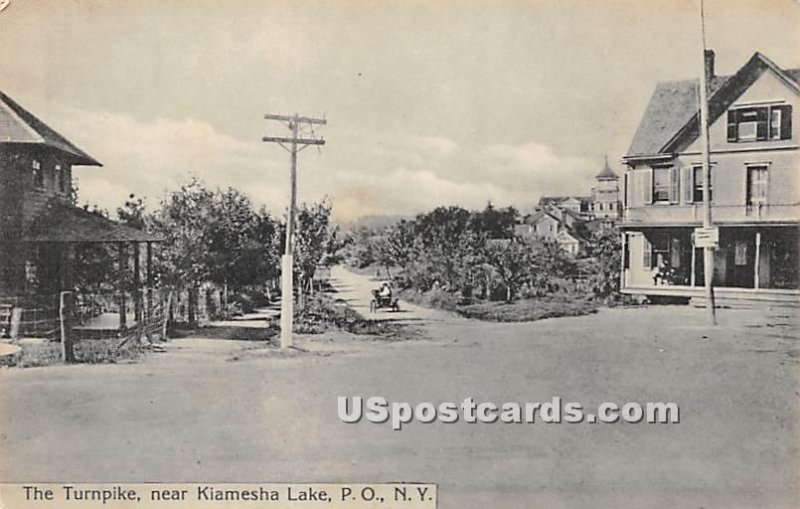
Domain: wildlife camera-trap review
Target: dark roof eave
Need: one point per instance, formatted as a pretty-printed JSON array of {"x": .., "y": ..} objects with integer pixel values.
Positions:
[
  {"x": 647, "y": 157},
  {"x": 76, "y": 159}
]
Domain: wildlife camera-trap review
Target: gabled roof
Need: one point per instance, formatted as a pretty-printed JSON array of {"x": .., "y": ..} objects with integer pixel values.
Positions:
[
  {"x": 59, "y": 222},
  {"x": 540, "y": 214},
  {"x": 18, "y": 125},
  {"x": 555, "y": 200},
  {"x": 567, "y": 232},
  {"x": 572, "y": 214},
  {"x": 671, "y": 116}
]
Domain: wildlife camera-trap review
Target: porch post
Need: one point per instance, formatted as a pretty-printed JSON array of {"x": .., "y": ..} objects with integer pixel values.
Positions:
[
  {"x": 756, "y": 282},
  {"x": 137, "y": 283},
  {"x": 149, "y": 248},
  {"x": 622, "y": 260},
  {"x": 692, "y": 278},
  {"x": 66, "y": 301},
  {"x": 122, "y": 264}
]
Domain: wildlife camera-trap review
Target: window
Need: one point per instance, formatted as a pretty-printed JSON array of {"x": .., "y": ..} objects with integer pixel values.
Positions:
[
  {"x": 656, "y": 250},
  {"x": 756, "y": 185},
  {"x": 58, "y": 175},
  {"x": 662, "y": 180},
  {"x": 697, "y": 179},
  {"x": 760, "y": 123},
  {"x": 660, "y": 250},
  {"x": 38, "y": 175}
]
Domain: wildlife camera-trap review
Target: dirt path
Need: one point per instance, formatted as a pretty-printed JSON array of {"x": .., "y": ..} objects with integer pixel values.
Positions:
[
  {"x": 356, "y": 291},
  {"x": 201, "y": 412}
]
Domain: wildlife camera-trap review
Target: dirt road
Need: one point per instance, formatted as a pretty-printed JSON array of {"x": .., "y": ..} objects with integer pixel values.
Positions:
[{"x": 218, "y": 411}]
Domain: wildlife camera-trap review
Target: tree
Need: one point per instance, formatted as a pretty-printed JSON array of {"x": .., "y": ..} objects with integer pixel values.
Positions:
[
  {"x": 510, "y": 258},
  {"x": 495, "y": 223},
  {"x": 395, "y": 246},
  {"x": 605, "y": 249},
  {"x": 312, "y": 239},
  {"x": 242, "y": 243},
  {"x": 185, "y": 253}
]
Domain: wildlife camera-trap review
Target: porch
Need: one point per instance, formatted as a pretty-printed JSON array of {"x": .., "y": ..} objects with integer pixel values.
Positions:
[
  {"x": 42, "y": 298},
  {"x": 751, "y": 262}
]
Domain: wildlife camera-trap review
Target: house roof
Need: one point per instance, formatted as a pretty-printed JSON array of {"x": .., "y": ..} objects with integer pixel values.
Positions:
[
  {"x": 572, "y": 214},
  {"x": 18, "y": 125},
  {"x": 606, "y": 172},
  {"x": 571, "y": 234},
  {"x": 540, "y": 214},
  {"x": 555, "y": 200},
  {"x": 59, "y": 222},
  {"x": 671, "y": 115}
]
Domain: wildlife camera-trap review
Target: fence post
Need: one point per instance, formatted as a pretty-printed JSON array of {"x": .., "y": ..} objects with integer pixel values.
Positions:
[
  {"x": 166, "y": 312},
  {"x": 64, "y": 315}
]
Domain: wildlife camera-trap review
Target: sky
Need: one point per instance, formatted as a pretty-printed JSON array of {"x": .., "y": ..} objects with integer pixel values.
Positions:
[{"x": 449, "y": 102}]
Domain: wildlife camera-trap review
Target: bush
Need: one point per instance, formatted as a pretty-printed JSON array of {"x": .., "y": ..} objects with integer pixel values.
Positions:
[
  {"x": 438, "y": 299},
  {"x": 321, "y": 313}
]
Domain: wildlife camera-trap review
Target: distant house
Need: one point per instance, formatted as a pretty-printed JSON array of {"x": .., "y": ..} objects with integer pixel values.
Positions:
[
  {"x": 543, "y": 224},
  {"x": 570, "y": 242},
  {"x": 558, "y": 225},
  {"x": 578, "y": 204},
  {"x": 755, "y": 177},
  {"x": 39, "y": 226}
]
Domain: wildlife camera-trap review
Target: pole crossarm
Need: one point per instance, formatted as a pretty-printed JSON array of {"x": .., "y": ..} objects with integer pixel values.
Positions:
[
  {"x": 299, "y": 141},
  {"x": 290, "y": 118}
]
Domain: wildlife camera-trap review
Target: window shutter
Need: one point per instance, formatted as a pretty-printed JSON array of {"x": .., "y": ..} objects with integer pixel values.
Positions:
[
  {"x": 762, "y": 124},
  {"x": 647, "y": 185},
  {"x": 732, "y": 126},
  {"x": 786, "y": 122},
  {"x": 647, "y": 259},
  {"x": 674, "y": 187},
  {"x": 638, "y": 185},
  {"x": 687, "y": 176},
  {"x": 625, "y": 189}
]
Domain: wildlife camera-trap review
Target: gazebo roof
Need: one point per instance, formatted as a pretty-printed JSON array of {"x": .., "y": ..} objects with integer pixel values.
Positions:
[
  {"x": 59, "y": 222},
  {"x": 18, "y": 125}
]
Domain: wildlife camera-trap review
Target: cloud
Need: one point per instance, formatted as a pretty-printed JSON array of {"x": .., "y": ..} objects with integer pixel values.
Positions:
[{"x": 364, "y": 172}]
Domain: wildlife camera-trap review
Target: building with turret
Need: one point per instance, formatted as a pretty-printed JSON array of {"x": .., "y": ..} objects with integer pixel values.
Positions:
[{"x": 606, "y": 204}]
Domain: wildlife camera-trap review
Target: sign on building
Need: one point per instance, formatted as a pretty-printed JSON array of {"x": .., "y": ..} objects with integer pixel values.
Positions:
[{"x": 706, "y": 237}]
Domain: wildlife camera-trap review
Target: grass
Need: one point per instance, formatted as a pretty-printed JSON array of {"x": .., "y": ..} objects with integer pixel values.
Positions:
[
  {"x": 527, "y": 310},
  {"x": 321, "y": 313},
  {"x": 523, "y": 310},
  {"x": 93, "y": 351}
]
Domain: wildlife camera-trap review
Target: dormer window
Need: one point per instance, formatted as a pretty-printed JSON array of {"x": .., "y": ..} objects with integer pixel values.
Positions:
[
  {"x": 760, "y": 123},
  {"x": 38, "y": 175}
]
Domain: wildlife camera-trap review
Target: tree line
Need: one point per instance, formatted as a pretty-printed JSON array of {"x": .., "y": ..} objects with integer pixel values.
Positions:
[
  {"x": 476, "y": 255},
  {"x": 213, "y": 236}
]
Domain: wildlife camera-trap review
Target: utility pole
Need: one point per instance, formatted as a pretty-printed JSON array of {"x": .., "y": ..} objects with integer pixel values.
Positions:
[
  {"x": 708, "y": 249},
  {"x": 293, "y": 145}
]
